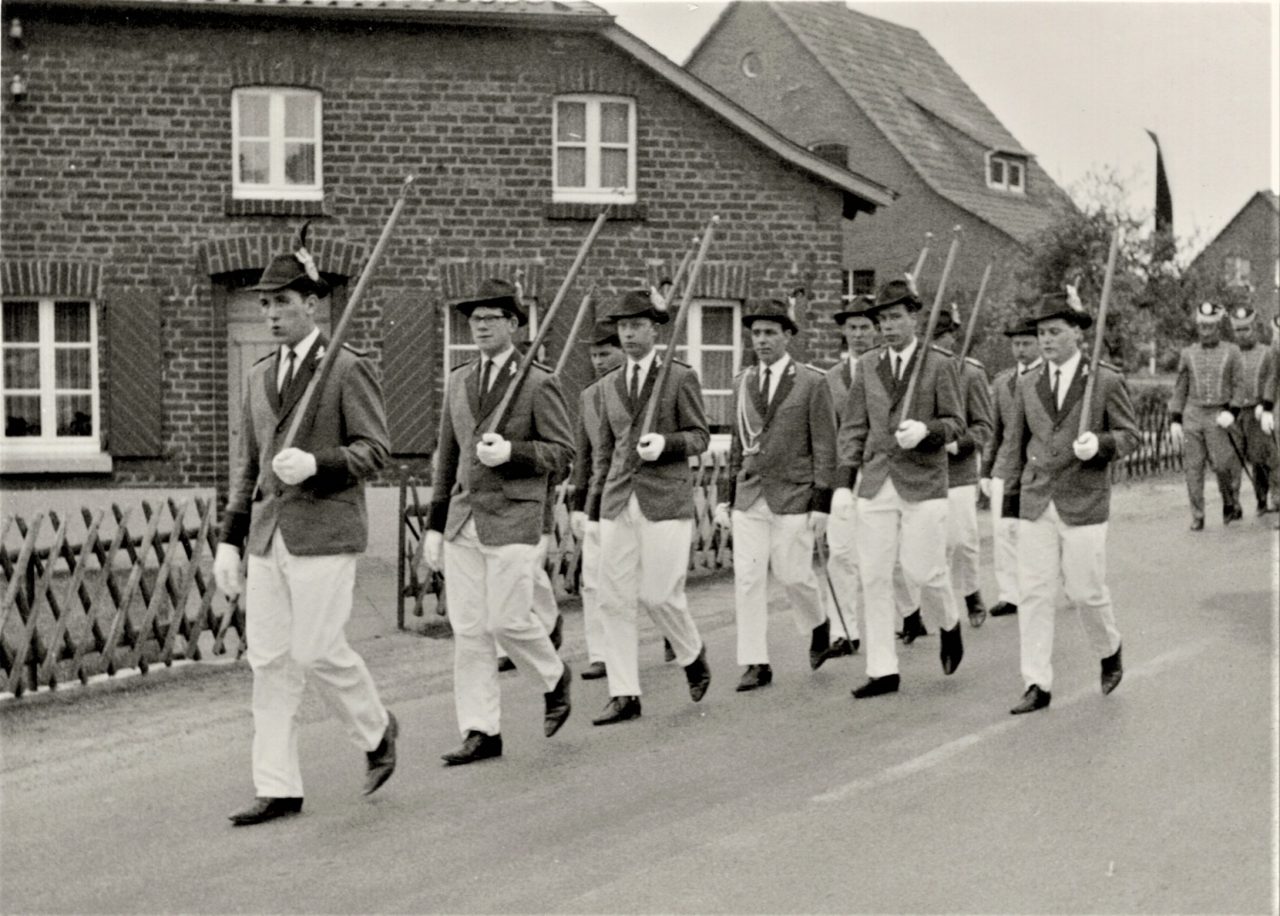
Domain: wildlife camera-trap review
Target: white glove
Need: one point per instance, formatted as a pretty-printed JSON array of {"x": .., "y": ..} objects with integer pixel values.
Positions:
[
  {"x": 293, "y": 466},
  {"x": 1175, "y": 435},
  {"x": 650, "y": 446},
  {"x": 493, "y": 450},
  {"x": 226, "y": 569},
  {"x": 721, "y": 517},
  {"x": 433, "y": 551},
  {"x": 578, "y": 524},
  {"x": 1086, "y": 446},
  {"x": 1258, "y": 412},
  {"x": 1268, "y": 422},
  {"x": 910, "y": 434},
  {"x": 1225, "y": 419},
  {"x": 842, "y": 502},
  {"x": 953, "y": 448},
  {"x": 818, "y": 523},
  {"x": 984, "y": 484}
]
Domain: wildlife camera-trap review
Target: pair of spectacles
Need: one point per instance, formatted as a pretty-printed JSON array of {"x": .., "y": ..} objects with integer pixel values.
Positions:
[{"x": 486, "y": 320}]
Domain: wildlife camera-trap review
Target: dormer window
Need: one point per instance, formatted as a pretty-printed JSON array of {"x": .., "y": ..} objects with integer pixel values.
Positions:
[{"x": 1007, "y": 172}]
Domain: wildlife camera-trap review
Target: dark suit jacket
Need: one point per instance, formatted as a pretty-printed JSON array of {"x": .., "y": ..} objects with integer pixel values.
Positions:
[
  {"x": 664, "y": 487},
  {"x": 839, "y": 379},
  {"x": 1003, "y": 389},
  {"x": 962, "y": 467},
  {"x": 866, "y": 440},
  {"x": 325, "y": 514},
  {"x": 509, "y": 502},
  {"x": 795, "y": 465},
  {"x": 586, "y": 440},
  {"x": 1036, "y": 460}
]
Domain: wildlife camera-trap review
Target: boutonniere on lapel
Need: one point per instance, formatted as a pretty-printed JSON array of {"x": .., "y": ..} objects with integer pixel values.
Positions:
[
  {"x": 511, "y": 367},
  {"x": 791, "y": 370},
  {"x": 320, "y": 352}
]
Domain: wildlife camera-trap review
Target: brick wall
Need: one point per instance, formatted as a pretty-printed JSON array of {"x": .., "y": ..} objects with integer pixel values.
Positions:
[
  {"x": 1253, "y": 234},
  {"x": 120, "y": 158}
]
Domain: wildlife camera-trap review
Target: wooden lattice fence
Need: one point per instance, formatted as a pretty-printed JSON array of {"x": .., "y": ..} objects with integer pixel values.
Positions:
[
  {"x": 710, "y": 551},
  {"x": 1155, "y": 453},
  {"x": 97, "y": 595}
]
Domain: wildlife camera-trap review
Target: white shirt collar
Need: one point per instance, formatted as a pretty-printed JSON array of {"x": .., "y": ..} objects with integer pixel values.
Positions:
[
  {"x": 776, "y": 369},
  {"x": 645, "y": 363},
  {"x": 1031, "y": 365},
  {"x": 300, "y": 351},
  {"x": 1068, "y": 370},
  {"x": 499, "y": 360},
  {"x": 906, "y": 354}
]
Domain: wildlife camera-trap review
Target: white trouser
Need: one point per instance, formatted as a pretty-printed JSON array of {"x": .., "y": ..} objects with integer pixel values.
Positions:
[
  {"x": 1005, "y": 550},
  {"x": 544, "y": 594},
  {"x": 643, "y": 564},
  {"x": 489, "y": 591},
  {"x": 1051, "y": 551},
  {"x": 781, "y": 544},
  {"x": 962, "y": 539},
  {"x": 906, "y": 595},
  {"x": 592, "y": 625},
  {"x": 842, "y": 569},
  {"x": 284, "y": 647},
  {"x": 891, "y": 529}
]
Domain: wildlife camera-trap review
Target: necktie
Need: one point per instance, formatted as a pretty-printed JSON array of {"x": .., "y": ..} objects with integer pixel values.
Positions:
[
  {"x": 764, "y": 386},
  {"x": 895, "y": 361},
  {"x": 1055, "y": 374},
  {"x": 288, "y": 370},
  {"x": 634, "y": 391},
  {"x": 485, "y": 366}
]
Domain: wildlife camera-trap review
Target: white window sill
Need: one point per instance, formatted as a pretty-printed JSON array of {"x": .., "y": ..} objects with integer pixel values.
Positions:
[
  {"x": 588, "y": 197},
  {"x": 52, "y": 461},
  {"x": 266, "y": 193}
]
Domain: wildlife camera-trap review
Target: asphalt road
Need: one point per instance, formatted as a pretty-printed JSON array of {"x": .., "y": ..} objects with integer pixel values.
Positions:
[{"x": 797, "y": 798}]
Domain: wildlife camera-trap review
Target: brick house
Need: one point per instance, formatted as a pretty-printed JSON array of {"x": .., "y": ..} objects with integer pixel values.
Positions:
[
  {"x": 163, "y": 150},
  {"x": 863, "y": 90},
  {"x": 1246, "y": 253}
]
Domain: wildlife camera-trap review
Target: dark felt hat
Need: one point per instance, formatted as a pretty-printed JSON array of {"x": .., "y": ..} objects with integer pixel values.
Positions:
[
  {"x": 639, "y": 303},
  {"x": 897, "y": 292},
  {"x": 295, "y": 269},
  {"x": 1242, "y": 313},
  {"x": 1023, "y": 327},
  {"x": 495, "y": 294},
  {"x": 947, "y": 323},
  {"x": 860, "y": 307},
  {"x": 603, "y": 334},
  {"x": 1064, "y": 306},
  {"x": 771, "y": 310}
]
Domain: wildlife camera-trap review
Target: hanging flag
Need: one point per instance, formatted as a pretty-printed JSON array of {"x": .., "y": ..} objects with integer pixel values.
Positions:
[{"x": 1164, "y": 200}]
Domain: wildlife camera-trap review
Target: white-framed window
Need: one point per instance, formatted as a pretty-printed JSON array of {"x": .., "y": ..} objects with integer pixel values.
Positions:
[
  {"x": 50, "y": 378},
  {"x": 457, "y": 334},
  {"x": 713, "y": 347},
  {"x": 1237, "y": 271},
  {"x": 857, "y": 283},
  {"x": 594, "y": 149},
  {"x": 1007, "y": 173},
  {"x": 276, "y": 148}
]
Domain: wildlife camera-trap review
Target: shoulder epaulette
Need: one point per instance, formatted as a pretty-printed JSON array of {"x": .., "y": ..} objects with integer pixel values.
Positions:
[
  {"x": 1102, "y": 363},
  {"x": 353, "y": 350},
  {"x": 975, "y": 363},
  {"x": 263, "y": 359},
  {"x": 937, "y": 349},
  {"x": 543, "y": 366},
  {"x": 680, "y": 362},
  {"x": 810, "y": 367},
  {"x": 610, "y": 372}
]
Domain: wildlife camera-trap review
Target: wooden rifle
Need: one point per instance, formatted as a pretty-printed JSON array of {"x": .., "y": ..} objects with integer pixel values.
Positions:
[
  {"x": 1099, "y": 334},
  {"x": 923, "y": 345}
]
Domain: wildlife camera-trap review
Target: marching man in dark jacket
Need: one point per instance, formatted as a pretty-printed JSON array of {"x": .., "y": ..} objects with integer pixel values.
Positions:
[
  {"x": 1058, "y": 483},
  {"x": 894, "y": 453},
  {"x": 299, "y": 513},
  {"x": 645, "y": 494},
  {"x": 488, "y": 503},
  {"x": 781, "y": 463}
]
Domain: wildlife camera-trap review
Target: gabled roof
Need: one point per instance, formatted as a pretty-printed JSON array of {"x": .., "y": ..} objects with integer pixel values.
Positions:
[
  {"x": 916, "y": 100},
  {"x": 1266, "y": 198},
  {"x": 860, "y": 193}
]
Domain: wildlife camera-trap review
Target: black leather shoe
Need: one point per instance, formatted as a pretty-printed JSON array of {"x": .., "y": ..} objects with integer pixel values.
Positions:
[
  {"x": 594, "y": 671},
  {"x": 505, "y": 664},
  {"x": 1004, "y": 609},
  {"x": 1232, "y": 513},
  {"x": 1033, "y": 699},
  {"x": 841, "y": 647},
  {"x": 819, "y": 643},
  {"x": 668, "y": 653},
  {"x": 476, "y": 746},
  {"x": 557, "y": 632},
  {"x": 698, "y": 674},
  {"x": 952, "y": 649},
  {"x": 620, "y": 709},
  {"x": 265, "y": 809},
  {"x": 977, "y": 610},
  {"x": 382, "y": 759},
  {"x": 755, "y": 676},
  {"x": 1197, "y": 524},
  {"x": 877, "y": 686},
  {"x": 913, "y": 628},
  {"x": 1112, "y": 672},
  {"x": 557, "y": 700}
]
